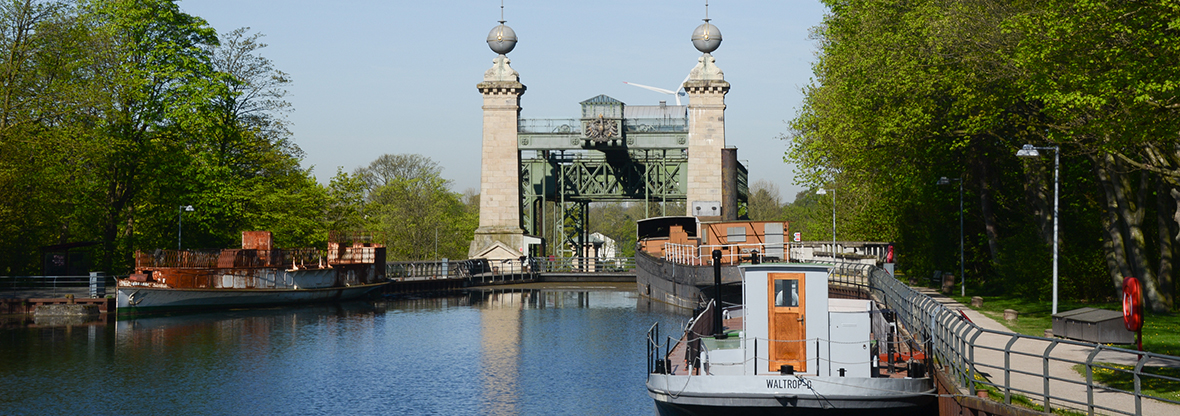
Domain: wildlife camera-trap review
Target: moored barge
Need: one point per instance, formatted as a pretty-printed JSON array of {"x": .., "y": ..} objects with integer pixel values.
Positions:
[
  {"x": 791, "y": 348},
  {"x": 673, "y": 260},
  {"x": 255, "y": 275}
]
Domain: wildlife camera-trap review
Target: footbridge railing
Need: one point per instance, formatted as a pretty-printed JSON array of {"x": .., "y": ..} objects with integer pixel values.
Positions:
[
  {"x": 1040, "y": 372},
  {"x": 483, "y": 271}
]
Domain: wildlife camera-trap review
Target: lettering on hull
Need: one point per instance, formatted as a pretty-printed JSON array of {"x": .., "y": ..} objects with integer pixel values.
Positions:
[{"x": 787, "y": 383}]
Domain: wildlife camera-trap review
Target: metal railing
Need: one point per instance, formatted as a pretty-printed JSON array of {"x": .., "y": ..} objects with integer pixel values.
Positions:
[
  {"x": 403, "y": 271},
  {"x": 229, "y": 258},
  {"x": 95, "y": 282},
  {"x": 574, "y": 126},
  {"x": 1023, "y": 366},
  {"x": 585, "y": 264},
  {"x": 507, "y": 270},
  {"x": 694, "y": 255}
]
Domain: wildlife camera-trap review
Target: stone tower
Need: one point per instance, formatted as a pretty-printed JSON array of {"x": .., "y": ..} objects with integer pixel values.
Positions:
[
  {"x": 706, "y": 88},
  {"x": 499, "y": 187}
]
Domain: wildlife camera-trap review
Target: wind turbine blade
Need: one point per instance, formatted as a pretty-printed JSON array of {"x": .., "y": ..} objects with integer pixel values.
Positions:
[
  {"x": 659, "y": 90},
  {"x": 680, "y": 89}
]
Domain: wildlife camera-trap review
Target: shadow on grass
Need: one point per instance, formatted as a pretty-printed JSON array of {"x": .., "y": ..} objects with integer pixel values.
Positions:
[
  {"x": 1122, "y": 377},
  {"x": 1161, "y": 331}
]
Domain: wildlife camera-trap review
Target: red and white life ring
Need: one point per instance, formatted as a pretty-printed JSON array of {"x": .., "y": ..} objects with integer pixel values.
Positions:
[{"x": 1132, "y": 304}]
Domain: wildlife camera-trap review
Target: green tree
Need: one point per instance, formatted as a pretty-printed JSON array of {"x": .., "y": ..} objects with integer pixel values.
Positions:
[
  {"x": 765, "y": 203},
  {"x": 42, "y": 164},
  {"x": 409, "y": 202},
  {"x": 152, "y": 78},
  {"x": 909, "y": 92}
]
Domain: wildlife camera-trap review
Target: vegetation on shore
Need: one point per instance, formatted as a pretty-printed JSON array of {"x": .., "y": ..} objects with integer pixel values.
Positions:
[
  {"x": 906, "y": 93},
  {"x": 116, "y": 115}
]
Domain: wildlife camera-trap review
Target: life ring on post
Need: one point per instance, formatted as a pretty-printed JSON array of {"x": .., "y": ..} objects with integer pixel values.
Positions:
[{"x": 1132, "y": 304}]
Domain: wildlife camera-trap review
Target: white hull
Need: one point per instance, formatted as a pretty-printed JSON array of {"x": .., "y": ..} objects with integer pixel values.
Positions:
[
  {"x": 788, "y": 321},
  {"x": 785, "y": 394},
  {"x": 137, "y": 300}
]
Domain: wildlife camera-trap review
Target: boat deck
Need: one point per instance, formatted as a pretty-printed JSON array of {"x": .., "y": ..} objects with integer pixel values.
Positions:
[{"x": 679, "y": 365}]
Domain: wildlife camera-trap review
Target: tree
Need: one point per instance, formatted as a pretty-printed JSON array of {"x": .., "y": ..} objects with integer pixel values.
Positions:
[
  {"x": 153, "y": 78},
  {"x": 909, "y": 92},
  {"x": 765, "y": 203},
  {"x": 408, "y": 201},
  {"x": 42, "y": 164}
]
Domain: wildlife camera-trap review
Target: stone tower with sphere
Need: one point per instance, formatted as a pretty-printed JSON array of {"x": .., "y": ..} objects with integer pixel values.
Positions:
[
  {"x": 538, "y": 177},
  {"x": 499, "y": 185}
]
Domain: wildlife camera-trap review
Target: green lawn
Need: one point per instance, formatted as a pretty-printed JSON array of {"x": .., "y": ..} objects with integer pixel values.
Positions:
[
  {"x": 1120, "y": 377},
  {"x": 1161, "y": 335},
  {"x": 1161, "y": 332}
]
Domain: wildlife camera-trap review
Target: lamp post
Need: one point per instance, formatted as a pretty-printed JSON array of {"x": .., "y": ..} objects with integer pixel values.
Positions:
[
  {"x": 180, "y": 222},
  {"x": 823, "y": 191},
  {"x": 962, "y": 278},
  {"x": 1031, "y": 151}
]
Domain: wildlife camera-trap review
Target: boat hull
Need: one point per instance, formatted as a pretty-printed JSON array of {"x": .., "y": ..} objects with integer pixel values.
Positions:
[
  {"x": 789, "y": 395},
  {"x": 148, "y": 300},
  {"x": 678, "y": 284}
]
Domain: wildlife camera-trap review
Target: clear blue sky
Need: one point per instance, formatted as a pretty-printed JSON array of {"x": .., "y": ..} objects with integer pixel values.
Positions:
[{"x": 374, "y": 77}]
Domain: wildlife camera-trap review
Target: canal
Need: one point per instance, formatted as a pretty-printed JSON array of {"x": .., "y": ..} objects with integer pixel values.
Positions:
[{"x": 537, "y": 350}]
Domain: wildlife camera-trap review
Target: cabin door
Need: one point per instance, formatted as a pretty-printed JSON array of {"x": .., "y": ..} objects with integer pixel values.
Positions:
[{"x": 787, "y": 324}]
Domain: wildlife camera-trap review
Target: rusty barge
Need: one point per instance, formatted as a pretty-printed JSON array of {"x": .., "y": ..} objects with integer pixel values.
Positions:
[
  {"x": 673, "y": 261},
  {"x": 255, "y": 275}
]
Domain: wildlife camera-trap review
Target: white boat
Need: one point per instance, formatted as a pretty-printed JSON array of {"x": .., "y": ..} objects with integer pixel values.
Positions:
[
  {"x": 790, "y": 349},
  {"x": 255, "y": 275}
]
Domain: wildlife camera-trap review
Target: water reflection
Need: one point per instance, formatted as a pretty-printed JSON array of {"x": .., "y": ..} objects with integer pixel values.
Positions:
[{"x": 541, "y": 350}]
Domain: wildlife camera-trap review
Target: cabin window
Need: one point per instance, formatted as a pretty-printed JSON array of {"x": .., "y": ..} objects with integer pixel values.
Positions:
[
  {"x": 736, "y": 234},
  {"x": 786, "y": 293}
]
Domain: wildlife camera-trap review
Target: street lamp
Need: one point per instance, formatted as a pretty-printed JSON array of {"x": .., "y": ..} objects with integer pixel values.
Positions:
[
  {"x": 1030, "y": 151},
  {"x": 962, "y": 278},
  {"x": 180, "y": 222},
  {"x": 823, "y": 191}
]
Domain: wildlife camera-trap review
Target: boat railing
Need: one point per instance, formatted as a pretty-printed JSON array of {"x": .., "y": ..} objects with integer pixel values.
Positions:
[
  {"x": 888, "y": 353},
  {"x": 1114, "y": 380},
  {"x": 696, "y": 355},
  {"x": 702, "y": 255},
  {"x": 229, "y": 258}
]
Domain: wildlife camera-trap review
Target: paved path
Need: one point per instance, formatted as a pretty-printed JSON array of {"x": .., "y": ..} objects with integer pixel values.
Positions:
[{"x": 991, "y": 363}]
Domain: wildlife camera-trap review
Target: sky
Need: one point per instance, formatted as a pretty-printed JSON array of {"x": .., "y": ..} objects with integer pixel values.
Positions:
[{"x": 373, "y": 77}]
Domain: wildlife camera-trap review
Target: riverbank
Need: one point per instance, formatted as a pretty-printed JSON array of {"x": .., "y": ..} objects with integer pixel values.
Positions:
[{"x": 1161, "y": 332}]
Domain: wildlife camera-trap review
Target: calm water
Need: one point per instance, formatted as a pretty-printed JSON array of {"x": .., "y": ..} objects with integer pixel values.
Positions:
[{"x": 549, "y": 350}]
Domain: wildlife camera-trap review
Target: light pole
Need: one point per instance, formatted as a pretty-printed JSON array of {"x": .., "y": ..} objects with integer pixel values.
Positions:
[
  {"x": 823, "y": 191},
  {"x": 962, "y": 278},
  {"x": 1030, "y": 151},
  {"x": 180, "y": 222}
]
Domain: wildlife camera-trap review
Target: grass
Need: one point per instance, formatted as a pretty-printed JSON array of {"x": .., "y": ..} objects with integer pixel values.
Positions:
[
  {"x": 1161, "y": 335},
  {"x": 995, "y": 394},
  {"x": 1161, "y": 332},
  {"x": 1123, "y": 379}
]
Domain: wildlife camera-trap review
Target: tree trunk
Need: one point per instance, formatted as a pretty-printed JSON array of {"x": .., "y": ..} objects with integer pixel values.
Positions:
[
  {"x": 1036, "y": 192},
  {"x": 986, "y": 211},
  {"x": 1132, "y": 212},
  {"x": 1164, "y": 271},
  {"x": 1116, "y": 250}
]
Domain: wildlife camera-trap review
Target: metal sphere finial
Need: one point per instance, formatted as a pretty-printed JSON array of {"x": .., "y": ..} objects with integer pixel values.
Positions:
[
  {"x": 706, "y": 38},
  {"x": 502, "y": 39}
]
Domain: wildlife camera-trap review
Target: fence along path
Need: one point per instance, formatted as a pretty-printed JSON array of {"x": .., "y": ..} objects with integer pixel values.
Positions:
[
  {"x": 1068, "y": 388},
  {"x": 1040, "y": 369}
]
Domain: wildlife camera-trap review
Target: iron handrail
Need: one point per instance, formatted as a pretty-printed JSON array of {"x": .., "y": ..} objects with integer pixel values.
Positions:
[{"x": 956, "y": 344}]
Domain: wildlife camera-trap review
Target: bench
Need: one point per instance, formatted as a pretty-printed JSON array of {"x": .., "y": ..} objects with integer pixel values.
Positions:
[{"x": 936, "y": 280}]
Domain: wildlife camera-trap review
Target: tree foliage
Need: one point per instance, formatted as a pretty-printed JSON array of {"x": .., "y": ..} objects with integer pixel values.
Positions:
[
  {"x": 408, "y": 201},
  {"x": 114, "y": 113},
  {"x": 907, "y": 92}
]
